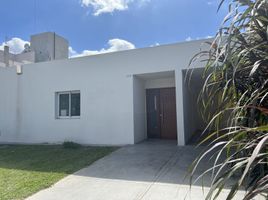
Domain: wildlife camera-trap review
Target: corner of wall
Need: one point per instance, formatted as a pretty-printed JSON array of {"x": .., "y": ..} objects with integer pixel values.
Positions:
[{"x": 179, "y": 107}]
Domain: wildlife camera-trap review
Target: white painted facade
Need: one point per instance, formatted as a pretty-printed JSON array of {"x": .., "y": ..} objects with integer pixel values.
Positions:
[{"x": 112, "y": 88}]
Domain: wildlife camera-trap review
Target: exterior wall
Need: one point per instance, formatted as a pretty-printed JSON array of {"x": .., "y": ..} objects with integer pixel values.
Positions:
[
  {"x": 179, "y": 107},
  {"x": 44, "y": 47},
  {"x": 107, "y": 97},
  {"x": 9, "y": 104},
  {"x": 61, "y": 48},
  {"x": 49, "y": 46},
  {"x": 27, "y": 57},
  {"x": 193, "y": 121},
  {"x": 191, "y": 91},
  {"x": 17, "y": 59},
  {"x": 160, "y": 83},
  {"x": 2, "y": 60},
  {"x": 139, "y": 109}
]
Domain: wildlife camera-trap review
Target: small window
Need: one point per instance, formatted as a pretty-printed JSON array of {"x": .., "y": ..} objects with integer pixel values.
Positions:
[{"x": 68, "y": 104}]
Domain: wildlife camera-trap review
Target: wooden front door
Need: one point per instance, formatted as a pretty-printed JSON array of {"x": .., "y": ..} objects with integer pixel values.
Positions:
[{"x": 161, "y": 113}]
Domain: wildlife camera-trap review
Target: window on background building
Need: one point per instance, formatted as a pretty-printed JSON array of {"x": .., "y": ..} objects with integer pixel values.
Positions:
[{"x": 68, "y": 104}]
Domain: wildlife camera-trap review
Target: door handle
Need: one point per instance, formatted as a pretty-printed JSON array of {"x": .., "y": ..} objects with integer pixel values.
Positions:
[
  {"x": 162, "y": 118},
  {"x": 162, "y": 115}
]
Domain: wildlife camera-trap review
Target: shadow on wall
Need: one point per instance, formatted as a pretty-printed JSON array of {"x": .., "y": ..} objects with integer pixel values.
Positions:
[{"x": 194, "y": 124}]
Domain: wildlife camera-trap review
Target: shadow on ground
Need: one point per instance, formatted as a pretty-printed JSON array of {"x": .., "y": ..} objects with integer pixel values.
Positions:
[{"x": 151, "y": 161}]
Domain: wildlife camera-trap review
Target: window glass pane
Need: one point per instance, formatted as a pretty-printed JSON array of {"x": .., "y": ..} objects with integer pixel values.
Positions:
[
  {"x": 75, "y": 104},
  {"x": 63, "y": 105}
]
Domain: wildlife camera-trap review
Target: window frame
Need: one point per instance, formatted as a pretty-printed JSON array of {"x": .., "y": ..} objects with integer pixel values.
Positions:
[{"x": 70, "y": 104}]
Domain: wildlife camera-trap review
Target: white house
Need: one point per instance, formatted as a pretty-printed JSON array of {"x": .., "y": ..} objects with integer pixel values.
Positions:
[{"x": 107, "y": 99}]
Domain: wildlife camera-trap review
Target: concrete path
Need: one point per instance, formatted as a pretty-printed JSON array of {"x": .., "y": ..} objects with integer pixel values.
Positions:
[{"x": 153, "y": 170}]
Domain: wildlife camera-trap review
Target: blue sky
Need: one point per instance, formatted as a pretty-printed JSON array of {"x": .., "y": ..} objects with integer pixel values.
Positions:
[{"x": 91, "y": 24}]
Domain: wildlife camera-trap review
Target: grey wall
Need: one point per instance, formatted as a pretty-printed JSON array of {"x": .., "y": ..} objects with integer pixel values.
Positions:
[
  {"x": 49, "y": 46},
  {"x": 192, "y": 85},
  {"x": 17, "y": 59},
  {"x": 61, "y": 48},
  {"x": 139, "y": 103}
]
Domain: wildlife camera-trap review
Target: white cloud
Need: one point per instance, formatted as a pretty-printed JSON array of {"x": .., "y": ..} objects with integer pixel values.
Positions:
[
  {"x": 198, "y": 38},
  {"x": 72, "y": 52},
  {"x": 210, "y": 3},
  {"x": 142, "y": 3},
  {"x": 114, "y": 45},
  {"x": 188, "y": 39},
  {"x": 109, "y": 6},
  {"x": 155, "y": 44},
  {"x": 16, "y": 45}
]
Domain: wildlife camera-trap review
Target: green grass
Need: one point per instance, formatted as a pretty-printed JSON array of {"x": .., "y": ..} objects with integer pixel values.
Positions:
[{"x": 25, "y": 170}]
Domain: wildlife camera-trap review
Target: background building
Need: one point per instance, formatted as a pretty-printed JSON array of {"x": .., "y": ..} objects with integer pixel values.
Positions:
[{"x": 43, "y": 47}]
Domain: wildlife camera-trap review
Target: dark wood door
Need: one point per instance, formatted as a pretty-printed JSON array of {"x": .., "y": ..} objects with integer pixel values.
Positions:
[
  {"x": 161, "y": 113},
  {"x": 153, "y": 113},
  {"x": 168, "y": 113}
]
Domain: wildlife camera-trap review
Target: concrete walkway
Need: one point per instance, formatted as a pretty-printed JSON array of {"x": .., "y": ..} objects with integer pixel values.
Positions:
[{"x": 152, "y": 170}]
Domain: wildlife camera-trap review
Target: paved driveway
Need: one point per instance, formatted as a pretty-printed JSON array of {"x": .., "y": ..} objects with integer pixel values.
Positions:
[{"x": 153, "y": 170}]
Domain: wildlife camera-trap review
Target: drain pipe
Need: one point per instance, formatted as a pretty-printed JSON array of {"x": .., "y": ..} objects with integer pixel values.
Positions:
[{"x": 6, "y": 55}]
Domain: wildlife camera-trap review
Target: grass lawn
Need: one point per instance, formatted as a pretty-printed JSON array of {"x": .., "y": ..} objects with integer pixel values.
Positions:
[{"x": 25, "y": 170}]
